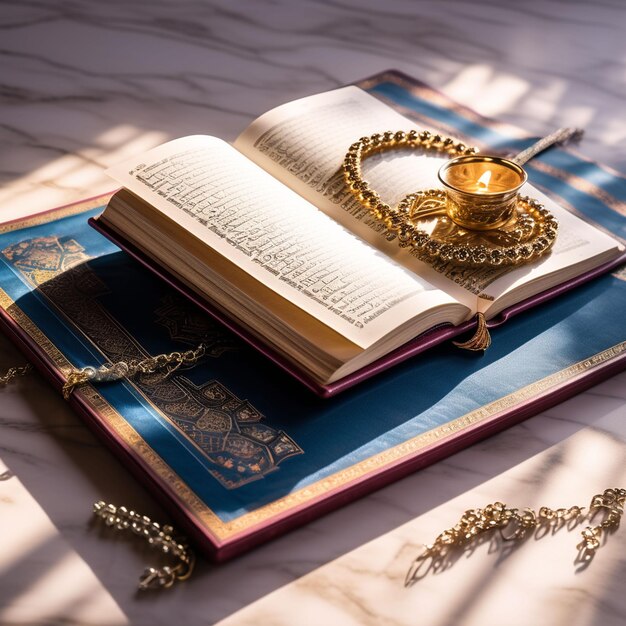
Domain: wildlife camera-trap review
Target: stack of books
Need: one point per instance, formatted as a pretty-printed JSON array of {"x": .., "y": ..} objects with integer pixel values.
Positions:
[{"x": 264, "y": 237}]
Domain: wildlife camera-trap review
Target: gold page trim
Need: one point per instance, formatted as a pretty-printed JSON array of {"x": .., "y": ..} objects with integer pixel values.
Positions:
[{"x": 56, "y": 214}]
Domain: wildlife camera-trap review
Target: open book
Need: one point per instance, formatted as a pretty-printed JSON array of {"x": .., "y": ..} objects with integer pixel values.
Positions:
[{"x": 266, "y": 233}]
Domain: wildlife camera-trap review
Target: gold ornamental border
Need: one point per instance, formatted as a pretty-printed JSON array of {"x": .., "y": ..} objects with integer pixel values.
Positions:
[
  {"x": 112, "y": 418},
  {"x": 56, "y": 214},
  {"x": 412, "y": 446},
  {"x": 407, "y": 449}
]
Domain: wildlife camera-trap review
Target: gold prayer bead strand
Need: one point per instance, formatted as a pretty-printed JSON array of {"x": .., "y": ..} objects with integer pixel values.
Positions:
[
  {"x": 429, "y": 249},
  {"x": 152, "y": 364},
  {"x": 611, "y": 500},
  {"x": 366, "y": 146},
  {"x": 398, "y": 219}
]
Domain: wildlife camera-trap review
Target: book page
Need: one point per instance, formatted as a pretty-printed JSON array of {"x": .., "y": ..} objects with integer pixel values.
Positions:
[
  {"x": 229, "y": 203},
  {"x": 303, "y": 144},
  {"x": 576, "y": 241}
]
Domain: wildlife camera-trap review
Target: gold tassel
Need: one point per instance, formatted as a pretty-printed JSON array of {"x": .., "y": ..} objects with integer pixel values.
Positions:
[{"x": 481, "y": 339}]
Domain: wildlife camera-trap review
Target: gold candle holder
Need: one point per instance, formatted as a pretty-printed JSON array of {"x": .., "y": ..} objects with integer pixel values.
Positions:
[
  {"x": 478, "y": 221},
  {"x": 481, "y": 191}
]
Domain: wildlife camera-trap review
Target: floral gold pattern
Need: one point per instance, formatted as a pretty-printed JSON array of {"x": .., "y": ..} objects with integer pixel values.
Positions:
[{"x": 209, "y": 415}]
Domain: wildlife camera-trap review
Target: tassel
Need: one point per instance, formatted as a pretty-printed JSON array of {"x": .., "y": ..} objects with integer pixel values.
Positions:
[{"x": 481, "y": 339}]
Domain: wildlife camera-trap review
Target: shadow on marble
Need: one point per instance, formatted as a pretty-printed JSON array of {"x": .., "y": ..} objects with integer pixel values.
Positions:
[
  {"x": 87, "y": 87},
  {"x": 540, "y": 583},
  {"x": 93, "y": 473}
]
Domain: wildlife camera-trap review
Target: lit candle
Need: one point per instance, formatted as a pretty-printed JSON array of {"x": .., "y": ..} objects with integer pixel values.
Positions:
[
  {"x": 481, "y": 190},
  {"x": 483, "y": 182}
]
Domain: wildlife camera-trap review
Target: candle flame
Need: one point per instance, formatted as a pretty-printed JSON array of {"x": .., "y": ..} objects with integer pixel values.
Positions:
[{"x": 483, "y": 181}]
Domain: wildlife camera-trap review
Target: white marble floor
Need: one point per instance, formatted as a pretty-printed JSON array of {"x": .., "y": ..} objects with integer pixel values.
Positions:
[{"x": 85, "y": 83}]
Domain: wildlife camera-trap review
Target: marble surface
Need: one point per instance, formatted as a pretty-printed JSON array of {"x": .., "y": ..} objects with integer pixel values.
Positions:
[{"x": 84, "y": 84}]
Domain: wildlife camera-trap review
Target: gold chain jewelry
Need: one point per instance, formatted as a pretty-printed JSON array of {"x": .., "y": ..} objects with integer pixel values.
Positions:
[
  {"x": 611, "y": 501},
  {"x": 15, "y": 372},
  {"x": 514, "y": 524},
  {"x": 531, "y": 234},
  {"x": 122, "y": 369},
  {"x": 158, "y": 537}
]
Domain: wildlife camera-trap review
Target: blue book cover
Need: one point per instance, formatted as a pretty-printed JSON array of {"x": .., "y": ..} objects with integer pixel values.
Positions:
[{"x": 238, "y": 449}]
